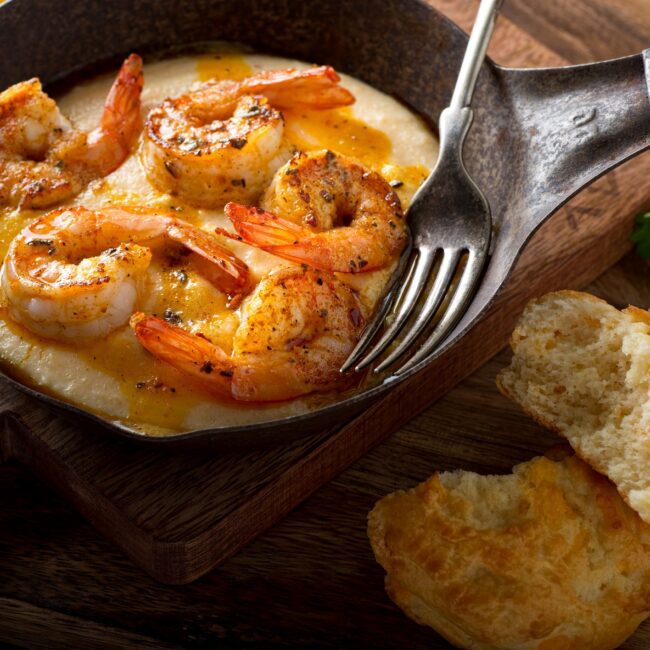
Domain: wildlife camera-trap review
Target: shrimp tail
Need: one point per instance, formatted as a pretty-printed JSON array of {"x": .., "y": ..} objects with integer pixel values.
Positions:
[
  {"x": 261, "y": 228},
  {"x": 335, "y": 251},
  {"x": 219, "y": 265},
  {"x": 281, "y": 237},
  {"x": 316, "y": 88},
  {"x": 110, "y": 143},
  {"x": 191, "y": 354},
  {"x": 121, "y": 114}
]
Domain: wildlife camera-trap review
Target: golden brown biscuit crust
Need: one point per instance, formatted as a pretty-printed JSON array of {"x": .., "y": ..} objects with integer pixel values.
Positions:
[{"x": 549, "y": 557}]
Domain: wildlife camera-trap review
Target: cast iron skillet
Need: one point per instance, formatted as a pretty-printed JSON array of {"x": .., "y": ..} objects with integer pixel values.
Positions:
[{"x": 538, "y": 137}]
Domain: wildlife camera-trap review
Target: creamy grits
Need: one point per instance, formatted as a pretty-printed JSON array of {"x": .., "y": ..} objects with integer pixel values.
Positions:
[{"x": 115, "y": 377}]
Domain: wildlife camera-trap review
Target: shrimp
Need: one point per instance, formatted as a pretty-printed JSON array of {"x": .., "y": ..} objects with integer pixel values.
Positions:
[
  {"x": 77, "y": 273},
  {"x": 326, "y": 210},
  {"x": 219, "y": 141},
  {"x": 297, "y": 328},
  {"x": 44, "y": 160}
]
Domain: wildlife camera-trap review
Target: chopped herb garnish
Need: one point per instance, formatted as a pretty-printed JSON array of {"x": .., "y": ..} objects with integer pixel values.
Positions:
[
  {"x": 169, "y": 166},
  {"x": 172, "y": 317},
  {"x": 238, "y": 143},
  {"x": 182, "y": 276},
  {"x": 641, "y": 235},
  {"x": 40, "y": 242}
]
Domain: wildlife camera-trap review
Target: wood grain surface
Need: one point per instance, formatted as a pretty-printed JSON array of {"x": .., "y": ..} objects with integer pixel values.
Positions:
[
  {"x": 585, "y": 30},
  {"x": 310, "y": 581}
]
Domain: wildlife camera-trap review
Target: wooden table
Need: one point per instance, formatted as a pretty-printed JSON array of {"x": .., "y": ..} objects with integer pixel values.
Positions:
[{"x": 311, "y": 581}]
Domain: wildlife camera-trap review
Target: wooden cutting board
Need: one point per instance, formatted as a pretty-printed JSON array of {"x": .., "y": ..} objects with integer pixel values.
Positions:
[{"x": 177, "y": 515}]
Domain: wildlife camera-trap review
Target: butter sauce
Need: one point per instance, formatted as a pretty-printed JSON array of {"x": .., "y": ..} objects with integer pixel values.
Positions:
[{"x": 221, "y": 66}]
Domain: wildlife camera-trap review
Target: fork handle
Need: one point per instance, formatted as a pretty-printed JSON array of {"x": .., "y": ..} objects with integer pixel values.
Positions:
[
  {"x": 456, "y": 119},
  {"x": 475, "y": 53}
]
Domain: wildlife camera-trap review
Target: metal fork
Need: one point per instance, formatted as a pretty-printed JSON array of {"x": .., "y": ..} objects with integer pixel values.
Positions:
[{"x": 450, "y": 222}]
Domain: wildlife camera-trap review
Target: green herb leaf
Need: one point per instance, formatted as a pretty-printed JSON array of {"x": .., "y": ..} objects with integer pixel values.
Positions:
[{"x": 641, "y": 235}]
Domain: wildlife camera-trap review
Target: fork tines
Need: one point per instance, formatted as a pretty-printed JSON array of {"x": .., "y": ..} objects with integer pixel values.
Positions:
[{"x": 404, "y": 298}]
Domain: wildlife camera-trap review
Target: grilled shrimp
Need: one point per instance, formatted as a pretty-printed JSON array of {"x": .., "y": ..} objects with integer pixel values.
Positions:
[
  {"x": 218, "y": 142},
  {"x": 44, "y": 160},
  {"x": 326, "y": 210},
  {"x": 77, "y": 273},
  {"x": 297, "y": 328}
]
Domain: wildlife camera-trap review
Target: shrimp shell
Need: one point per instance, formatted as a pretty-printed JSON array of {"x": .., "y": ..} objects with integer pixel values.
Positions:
[
  {"x": 221, "y": 141},
  {"x": 44, "y": 160},
  {"x": 328, "y": 211},
  {"x": 297, "y": 328},
  {"x": 77, "y": 273}
]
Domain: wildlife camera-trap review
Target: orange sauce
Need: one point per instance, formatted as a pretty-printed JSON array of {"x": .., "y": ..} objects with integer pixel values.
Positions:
[
  {"x": 11, "y": 223},
  {"x": 338, "y": 130},
  {"x": 405, "y": 180},
  {"x": 155, "y": 393},
  {"x": 223, "y": 66}
]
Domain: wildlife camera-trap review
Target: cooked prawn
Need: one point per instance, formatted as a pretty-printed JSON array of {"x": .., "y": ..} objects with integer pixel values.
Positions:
[
  {"x": 44, "y": 160},
  {"x": 326, "y": 210},
  {"x": 77, "y": 273},
  {"x": 297, "y": 328},
  {"x": 219, "y": 141}
]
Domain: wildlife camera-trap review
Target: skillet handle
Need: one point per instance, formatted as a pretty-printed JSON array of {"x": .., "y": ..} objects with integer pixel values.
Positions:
[
  {"x": 576, "y": 123},
  {"x": 568, "y": 126}
]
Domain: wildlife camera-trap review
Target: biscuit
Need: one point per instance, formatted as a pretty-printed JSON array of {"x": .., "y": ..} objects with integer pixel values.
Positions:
[
  {"x": 582, "y": 368},
  {"x": 549, "y": 557}
]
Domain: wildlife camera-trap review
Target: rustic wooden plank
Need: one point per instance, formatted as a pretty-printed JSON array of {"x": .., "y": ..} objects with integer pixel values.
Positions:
[
  {"x": 34, "y": 627},
  {"x": 509, "y": 45},
  {"x": 585, "y": 30}
]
